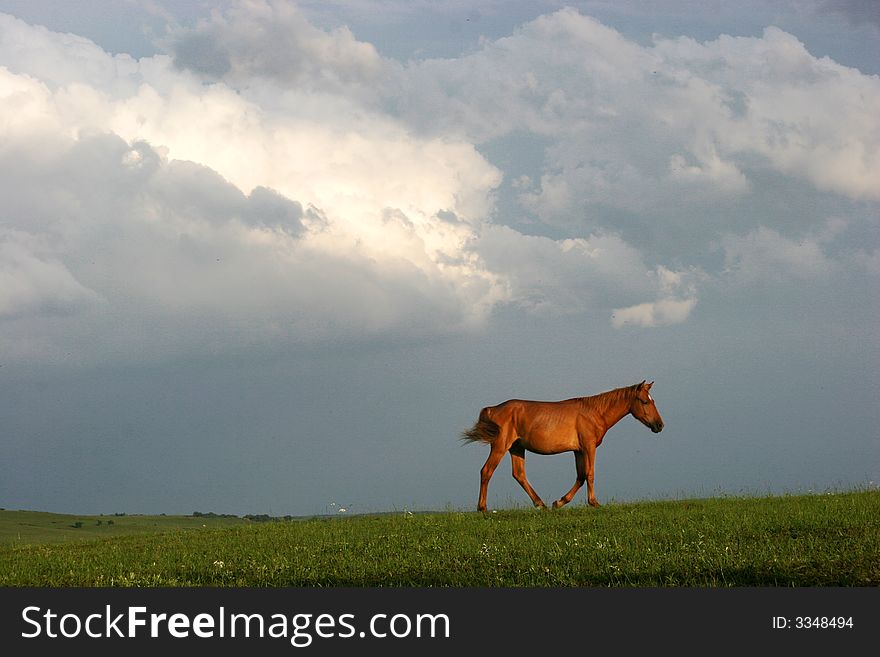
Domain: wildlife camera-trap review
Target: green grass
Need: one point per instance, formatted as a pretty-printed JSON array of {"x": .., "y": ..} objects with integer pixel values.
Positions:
[{"x": 815, "y": 540}]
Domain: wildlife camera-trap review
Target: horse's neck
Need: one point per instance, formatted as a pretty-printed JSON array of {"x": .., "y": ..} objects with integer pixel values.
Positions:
[{"x": 617, "y": 408}]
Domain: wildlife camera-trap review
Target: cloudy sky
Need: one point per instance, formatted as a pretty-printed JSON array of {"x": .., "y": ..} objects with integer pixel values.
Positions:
[{"x": 273, "y": 257}]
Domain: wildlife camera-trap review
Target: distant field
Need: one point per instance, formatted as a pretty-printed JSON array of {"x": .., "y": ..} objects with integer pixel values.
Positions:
[
  {"x": 814, "y": 540},
  {"x": 27, "y": 527}
]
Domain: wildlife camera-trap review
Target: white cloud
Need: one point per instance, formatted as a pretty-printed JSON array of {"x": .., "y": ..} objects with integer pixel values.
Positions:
[
  {"x": 708, "y": 170},
  {"x": 809, "y": 117},
  {"x": 656, "y": 313},
  {"x": 207, "y": 211},
  {"x": 653, "y": 129},
  {"x": 276, "y": 211},
  {"x": 765, "y": 255},
  {"x": 273, "y": 39},
  {"x": 172, "y": 245},
  {"x": 676, "y": 293},
  {"x": 32, "y": 283},
  {"x": 580, "y": 275},
  {"x": 320, "y": 191}
]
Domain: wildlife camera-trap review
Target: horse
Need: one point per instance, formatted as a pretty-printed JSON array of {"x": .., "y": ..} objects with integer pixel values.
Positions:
[{"x": 574, "y": 425}]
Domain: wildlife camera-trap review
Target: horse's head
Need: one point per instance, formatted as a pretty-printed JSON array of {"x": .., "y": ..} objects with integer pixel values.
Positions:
[{"x": 643, "y": 408}]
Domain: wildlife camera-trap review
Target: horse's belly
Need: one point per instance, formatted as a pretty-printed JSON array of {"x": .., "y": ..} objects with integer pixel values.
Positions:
[{"x": 541, "y": 442}]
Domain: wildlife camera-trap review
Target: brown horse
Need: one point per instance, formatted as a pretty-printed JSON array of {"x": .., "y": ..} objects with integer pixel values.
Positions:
[{"x": 575, "y": 425}]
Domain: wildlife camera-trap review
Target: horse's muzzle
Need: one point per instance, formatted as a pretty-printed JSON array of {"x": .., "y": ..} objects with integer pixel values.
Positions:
[{"x": 657, "y": 427}]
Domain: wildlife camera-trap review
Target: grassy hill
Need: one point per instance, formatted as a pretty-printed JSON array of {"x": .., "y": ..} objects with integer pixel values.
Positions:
[{"x": 812, "y": 540}]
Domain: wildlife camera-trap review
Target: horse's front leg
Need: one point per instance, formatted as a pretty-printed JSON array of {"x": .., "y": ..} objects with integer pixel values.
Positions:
[
  {"x": 590, "y": 462},
  {"x": 581, "y": 477}
]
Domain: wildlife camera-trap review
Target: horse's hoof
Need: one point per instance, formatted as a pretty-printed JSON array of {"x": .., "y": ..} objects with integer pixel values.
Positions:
[
  {"x": 595, "y": 504},
  {"x": 558, "y": 504}
]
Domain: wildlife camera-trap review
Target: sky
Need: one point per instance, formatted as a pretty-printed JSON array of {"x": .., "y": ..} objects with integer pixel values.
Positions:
[{"x": 274, "y": 257}]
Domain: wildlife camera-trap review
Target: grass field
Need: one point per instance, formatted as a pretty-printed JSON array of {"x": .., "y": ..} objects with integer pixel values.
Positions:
[{"x": 814, "y": 540}]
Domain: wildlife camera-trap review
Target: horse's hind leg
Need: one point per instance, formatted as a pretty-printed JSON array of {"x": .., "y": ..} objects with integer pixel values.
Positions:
[
  {"x": 495, "y": 456},
  {"x": 518, "y": 460},
  {"x": 581, "y": 478}
]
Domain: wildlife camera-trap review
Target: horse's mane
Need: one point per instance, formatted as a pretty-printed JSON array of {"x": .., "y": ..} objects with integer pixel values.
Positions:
[{"x": 605, "y": 400}]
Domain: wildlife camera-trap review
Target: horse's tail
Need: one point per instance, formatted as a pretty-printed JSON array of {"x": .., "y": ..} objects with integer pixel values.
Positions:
[{"x": 484, "y": 431}]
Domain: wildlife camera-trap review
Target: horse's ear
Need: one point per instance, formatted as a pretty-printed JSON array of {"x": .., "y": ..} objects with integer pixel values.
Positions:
[
  {"x": 641, "y": 385},
  {"x": 649, "y": 385}
]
